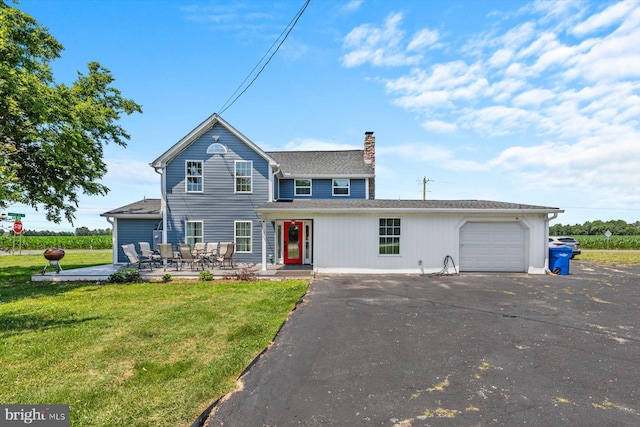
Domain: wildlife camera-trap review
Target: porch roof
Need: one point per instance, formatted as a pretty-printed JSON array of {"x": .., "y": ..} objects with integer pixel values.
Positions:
[
  {"x": 388, "y": 206},
  {"x": 146, "y": 208}
]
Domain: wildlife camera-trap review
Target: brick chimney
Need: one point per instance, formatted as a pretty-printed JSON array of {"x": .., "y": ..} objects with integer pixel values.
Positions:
[{"x": 370, "y": 159}]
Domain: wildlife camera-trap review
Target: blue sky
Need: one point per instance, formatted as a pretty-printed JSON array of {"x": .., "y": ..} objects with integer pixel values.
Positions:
[{"x": 529, "y": 102}]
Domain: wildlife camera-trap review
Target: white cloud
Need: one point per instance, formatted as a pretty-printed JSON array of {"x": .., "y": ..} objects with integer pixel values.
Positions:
[
  {"x": 439, "y": 126},
  {"x": 310, "y": 144},
  {"x": 352, "y": 6},
  {"x": 424, "y": 38},
  {"x": 501, "y": 58},
  {"x": 386, "y": 45},
  {"x": 610, "y": 16},
  {"x": 123, "y": 170},
  {"x": 560, "y": 79},
  {"x": 418, "y": 152},
  {"x": 533, "y": 97},
  {"x": 498, "y": 120}
]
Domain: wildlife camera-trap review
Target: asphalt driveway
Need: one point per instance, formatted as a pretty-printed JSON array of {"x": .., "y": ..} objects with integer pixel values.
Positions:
[{"x": 483, "y": 349}]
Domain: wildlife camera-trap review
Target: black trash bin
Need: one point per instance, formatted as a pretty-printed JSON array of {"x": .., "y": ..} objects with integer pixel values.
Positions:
[{"x": 559, "y": 257}]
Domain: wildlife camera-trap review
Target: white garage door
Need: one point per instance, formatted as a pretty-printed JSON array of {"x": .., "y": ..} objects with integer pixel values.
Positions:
[{"x": 489, "y": 246}]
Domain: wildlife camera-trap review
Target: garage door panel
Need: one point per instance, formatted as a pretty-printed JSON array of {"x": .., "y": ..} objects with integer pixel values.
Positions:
[{"x": 492, "y": 247}]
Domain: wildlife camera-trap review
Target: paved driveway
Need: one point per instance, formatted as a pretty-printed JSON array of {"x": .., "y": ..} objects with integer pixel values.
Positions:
[{"x": 484, "y": 349}]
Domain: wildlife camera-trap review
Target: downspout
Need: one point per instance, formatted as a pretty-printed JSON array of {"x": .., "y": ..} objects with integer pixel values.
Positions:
[
  {"x": 263, "y": 232},
  {"x": 163, "y": 204},
  {"x": 546, "y": 239},
  {"x": 273, "y": 190},
  {"x": 114, "y": 238}
]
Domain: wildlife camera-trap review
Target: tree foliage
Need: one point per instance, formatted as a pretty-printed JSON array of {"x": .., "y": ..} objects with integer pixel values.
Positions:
[
  {"x": 52, "y": 135},
  {"x": 597, "y": 227}
]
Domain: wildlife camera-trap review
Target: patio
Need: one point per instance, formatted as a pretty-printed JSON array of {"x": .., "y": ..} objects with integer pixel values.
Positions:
[{"x": 102, "y": 273}]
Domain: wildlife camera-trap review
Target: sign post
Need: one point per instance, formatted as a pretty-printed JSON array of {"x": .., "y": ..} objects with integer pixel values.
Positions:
[
  {"x": 608, "y": 236},
  {"x": 17, "y": 229}
]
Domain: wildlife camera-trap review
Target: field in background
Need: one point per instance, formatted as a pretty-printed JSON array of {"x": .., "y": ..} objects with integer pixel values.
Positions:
[
  {"x": 104, "y": 242},
  {"x": 616, "y": 242},
  {"x": 63, "y": 242}
]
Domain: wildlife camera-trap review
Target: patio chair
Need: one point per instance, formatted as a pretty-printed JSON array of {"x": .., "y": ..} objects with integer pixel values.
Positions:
[
  {"x": 226, "y": 254},
  {"x": 198, "y": 248},
  {"x": 187, "y": 256},
  {"x": 134, "y": 258},
  {"x": 168, "y": 256},
  {"x": 146, "y": 252},
  {"x": 211, "y": 252}
]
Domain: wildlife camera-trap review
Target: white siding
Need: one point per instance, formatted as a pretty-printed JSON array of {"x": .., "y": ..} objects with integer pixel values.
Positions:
[{"x": 349, "y": 242}]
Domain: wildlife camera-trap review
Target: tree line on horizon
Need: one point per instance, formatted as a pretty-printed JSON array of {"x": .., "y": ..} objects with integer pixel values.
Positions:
[
  {"x": 80, "y": 231},
  {"x": 593, "y": 228}
]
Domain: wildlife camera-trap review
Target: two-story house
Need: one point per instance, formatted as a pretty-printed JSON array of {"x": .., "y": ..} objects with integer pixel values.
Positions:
[{"x": 319, "y": 208}]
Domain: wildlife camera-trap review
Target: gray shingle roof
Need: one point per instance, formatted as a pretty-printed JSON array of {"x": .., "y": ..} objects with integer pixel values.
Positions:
[
  {"x": 363, "y": 204},
  {"x": 330, "y": 163},
  {"x": 146, "y": 207}
]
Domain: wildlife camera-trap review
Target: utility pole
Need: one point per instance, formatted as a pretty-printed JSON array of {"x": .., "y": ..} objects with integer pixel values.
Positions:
[{"x": 425, "y": 181}]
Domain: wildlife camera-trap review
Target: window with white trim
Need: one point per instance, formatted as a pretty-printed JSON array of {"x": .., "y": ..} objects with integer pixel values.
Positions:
[
  {"x": 303, "y": 187},
  {"x": 194, "y": 178},
  {"x": 193, "y": 233},
  {"x": 243, "y": 176},
  {"x": 341, "y": 187},
  {"x": 389, "y": 235},
  {"x": 242, "y": 237}
]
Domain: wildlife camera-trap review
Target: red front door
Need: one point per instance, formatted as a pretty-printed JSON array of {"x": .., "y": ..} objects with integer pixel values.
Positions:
[{"x": 293, "y": 242}]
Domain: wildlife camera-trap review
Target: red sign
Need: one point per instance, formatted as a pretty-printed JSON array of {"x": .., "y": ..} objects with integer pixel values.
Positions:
[{"x": 17, "y": 227}]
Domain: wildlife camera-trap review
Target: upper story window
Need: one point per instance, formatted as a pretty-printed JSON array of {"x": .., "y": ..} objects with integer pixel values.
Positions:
[
  {"x": 194, "y": 181},
  {"x": 244, "y": 176},
  {"x": 341, "y": 187},
  {"x": 303, "y": 187},
  {"x": 389, "y": 235}
]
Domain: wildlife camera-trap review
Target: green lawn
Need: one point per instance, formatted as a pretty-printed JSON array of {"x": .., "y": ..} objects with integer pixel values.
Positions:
[
  {"x": 610, "y": 256},
  {"x": 137, "y": 354}
]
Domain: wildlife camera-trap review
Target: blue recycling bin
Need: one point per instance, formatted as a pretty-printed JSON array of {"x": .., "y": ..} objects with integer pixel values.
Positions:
[{"x": 559, "y": 257}]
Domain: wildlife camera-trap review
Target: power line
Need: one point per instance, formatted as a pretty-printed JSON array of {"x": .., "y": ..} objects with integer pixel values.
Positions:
[{"x": 282, "y": 39}]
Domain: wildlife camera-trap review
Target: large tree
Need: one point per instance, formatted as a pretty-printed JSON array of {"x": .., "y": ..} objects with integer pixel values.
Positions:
[{"x": 51, "y": 134}]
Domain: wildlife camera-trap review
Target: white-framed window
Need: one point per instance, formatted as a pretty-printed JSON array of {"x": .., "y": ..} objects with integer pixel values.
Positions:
[
  {"x": 193, "y": 233},
  {"x": 389, "y": 235},
  {"x": 194, "y": 178},
  {"x": 341, "y": 187},
  {"x": 302, "y": 187},
  {"x": 242, "y": 236},
  {"x": 244, "y": 176}
]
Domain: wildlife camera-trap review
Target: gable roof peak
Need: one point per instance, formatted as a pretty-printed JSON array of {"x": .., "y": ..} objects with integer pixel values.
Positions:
[{"x": 198, "y": 131}]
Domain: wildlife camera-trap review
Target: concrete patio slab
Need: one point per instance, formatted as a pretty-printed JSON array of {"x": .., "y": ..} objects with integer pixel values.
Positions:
[{"x": 102, "y": 273}]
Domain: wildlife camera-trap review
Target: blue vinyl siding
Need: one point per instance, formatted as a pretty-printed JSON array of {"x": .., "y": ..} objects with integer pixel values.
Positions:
[
  {"x": 321, "y": 189},
  {"x": 134, "y": 231},
  {"x": 218, "y": 206}
]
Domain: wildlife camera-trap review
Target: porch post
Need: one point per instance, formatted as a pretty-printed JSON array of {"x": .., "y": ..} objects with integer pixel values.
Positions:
[{"x": 264, "y": 244}]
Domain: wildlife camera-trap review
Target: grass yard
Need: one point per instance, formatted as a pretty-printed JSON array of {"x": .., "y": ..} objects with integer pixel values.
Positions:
[
  {"x": 137, "y": 354},
  {"x": 604, "y": 256}
]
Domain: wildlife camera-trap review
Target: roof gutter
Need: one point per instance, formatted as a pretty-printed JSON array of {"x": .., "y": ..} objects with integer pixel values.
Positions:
[{"x": 409, "y": 210}]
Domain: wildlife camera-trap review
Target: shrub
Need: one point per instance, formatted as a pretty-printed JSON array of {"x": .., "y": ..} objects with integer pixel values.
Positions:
[
  {"x": 166, "y": 278},
  {"x": 125, "y": 275},
  {"x": 245, "y": 272},
  {"x": 205, "y": 276}
]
